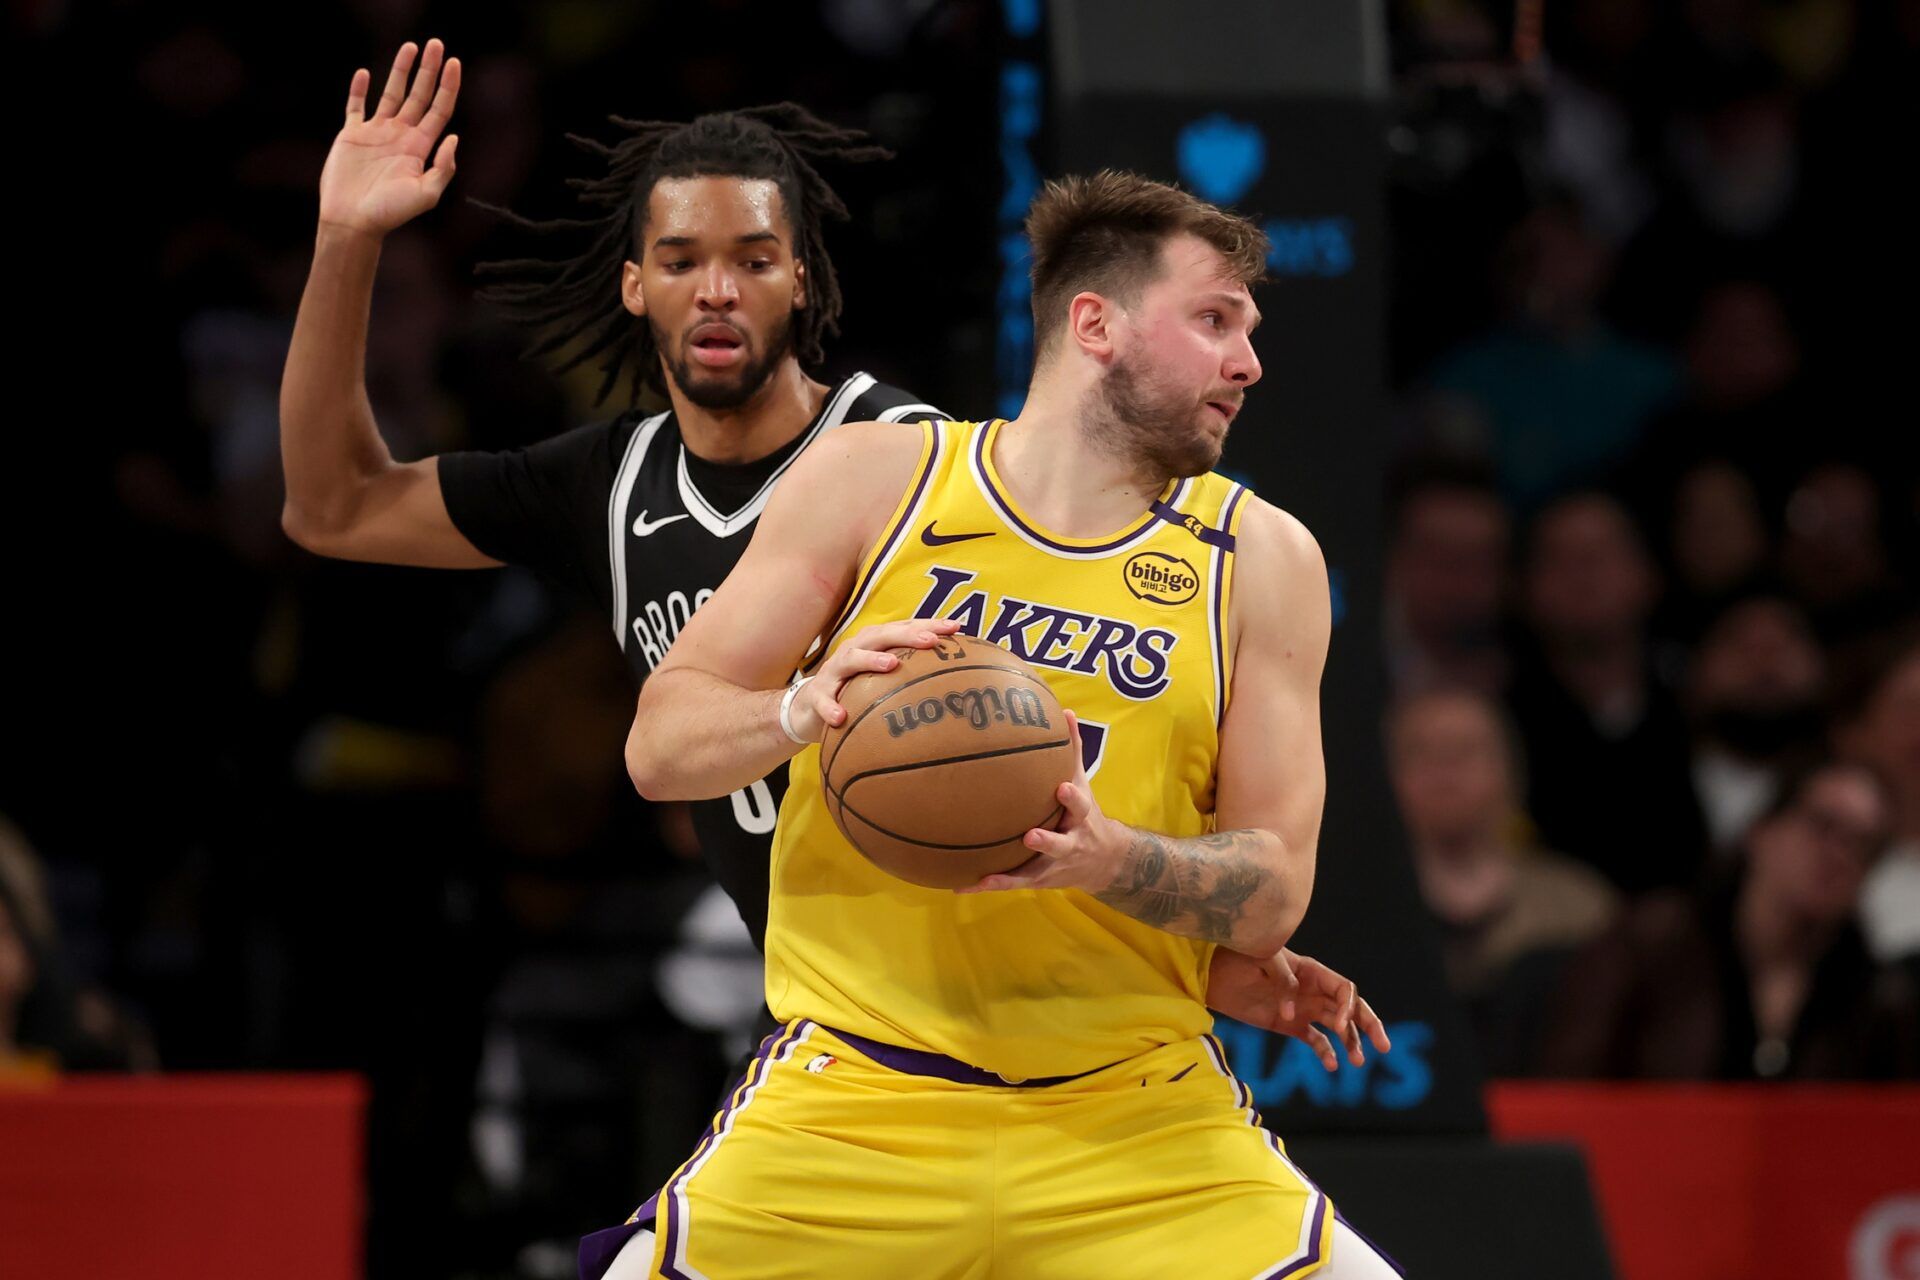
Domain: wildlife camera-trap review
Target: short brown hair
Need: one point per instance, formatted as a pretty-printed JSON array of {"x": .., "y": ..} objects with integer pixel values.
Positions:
[{"x": 1103, "y": 233}]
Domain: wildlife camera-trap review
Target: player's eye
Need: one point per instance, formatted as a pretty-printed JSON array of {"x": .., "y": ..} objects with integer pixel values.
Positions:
[
  {"x": 758, "y": 264},
  {"x": 678, "y": 264}
]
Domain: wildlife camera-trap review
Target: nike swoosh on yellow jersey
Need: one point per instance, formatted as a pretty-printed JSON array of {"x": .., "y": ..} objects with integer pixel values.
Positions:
[{"x": 932, "y": 539}]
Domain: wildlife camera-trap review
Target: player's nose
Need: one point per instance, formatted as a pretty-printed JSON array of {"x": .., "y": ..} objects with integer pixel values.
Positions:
[
  {"x": 1242, "y": 367},
  {"x": 717, "y": 289}
]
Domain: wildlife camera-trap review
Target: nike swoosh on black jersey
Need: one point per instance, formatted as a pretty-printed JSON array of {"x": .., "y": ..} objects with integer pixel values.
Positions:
[
  {"x": 932, "y": 539},
  {"x": 642, "y": 526}
]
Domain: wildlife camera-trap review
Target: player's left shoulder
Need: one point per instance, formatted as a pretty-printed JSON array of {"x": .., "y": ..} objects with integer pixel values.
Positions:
[
  {"x": 1272, "y": 540},
  {"x": 876, "y": 401},
  {"x": 1280, "y": 583}
]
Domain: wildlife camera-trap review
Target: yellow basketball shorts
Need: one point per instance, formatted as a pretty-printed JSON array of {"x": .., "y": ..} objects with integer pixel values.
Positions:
[{"x": 825, "y": 1163}]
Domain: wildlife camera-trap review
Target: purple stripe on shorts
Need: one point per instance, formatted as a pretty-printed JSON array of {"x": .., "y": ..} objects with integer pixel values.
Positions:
[
  {"x": 773, "y": 1049},
  {"x": 1320, "y": 1202},
  {"x": 1312, "y": 1256},
  {"x": 598, "y": 1249},
  {"x": 920, "y": 1062},
  {"x": 1240, "y": 1091}
]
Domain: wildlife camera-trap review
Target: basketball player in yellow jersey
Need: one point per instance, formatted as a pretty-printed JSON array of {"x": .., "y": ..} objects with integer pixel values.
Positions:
[{"x": 1016, "y": 1080}]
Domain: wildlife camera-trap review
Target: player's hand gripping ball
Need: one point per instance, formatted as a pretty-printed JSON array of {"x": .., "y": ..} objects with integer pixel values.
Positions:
[{"x": 944, "y": 763}]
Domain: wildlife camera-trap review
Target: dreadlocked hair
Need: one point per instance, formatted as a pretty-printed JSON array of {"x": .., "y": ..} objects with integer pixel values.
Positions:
[{"x": 576, "y": 300}]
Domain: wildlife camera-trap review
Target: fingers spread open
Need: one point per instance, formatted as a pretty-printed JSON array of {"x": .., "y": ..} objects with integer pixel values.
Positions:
[
  {"x": 1343, "y": 1008},
  {"x": 1317, "y": 1041},
  {"x": 424, "y": 81},
  {"x": 357, "y": 96},
  {"x": 396, "y": 82},
  {"x": 441, "y": 174},
  {"x": 1369, "y": 1022},
  {"x": 443, "y": 99},
  {"x": 1286, "y": 986},
  {"x": 1351, "y": 1039}
]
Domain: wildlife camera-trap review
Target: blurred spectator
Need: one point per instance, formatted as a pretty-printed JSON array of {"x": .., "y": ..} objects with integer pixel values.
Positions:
[
  {"x": 1745, "y": 408},
  {"x": 1835, "y": 556},
  {"x": 1763, "y": 977},
  {"x": 1605, "y": 735},
  {"x": 1556, "y": 396},
  {"x": 1883, "y": 729},
  {"x": 1735, "y": 152},
  {"x": 49, "y": 1022},
  {"x": 1755, "y": 689},
  {"x": 1741, "y": 349},
  {"x": 1717, "y": 544},
  {"x": 1510, "y": 914},
  {"x": 1592, "y": 142},
  {"x": 1447, "y": 581},
  {"x": 1731, "y": 154}
]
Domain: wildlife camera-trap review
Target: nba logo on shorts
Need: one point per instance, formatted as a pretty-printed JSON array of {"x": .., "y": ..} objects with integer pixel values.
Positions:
[{"x": 821, "y": 1062}]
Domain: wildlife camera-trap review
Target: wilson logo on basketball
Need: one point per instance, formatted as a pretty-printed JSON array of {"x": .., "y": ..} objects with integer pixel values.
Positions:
[
  {"x": 978, "y": 707},
  {"x": 1159, "y": 578}
]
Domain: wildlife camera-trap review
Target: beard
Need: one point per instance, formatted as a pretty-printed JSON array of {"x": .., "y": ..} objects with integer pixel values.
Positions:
[
  {"x": 724, "y": 389},
  {"x": 1162, "y": 427}
]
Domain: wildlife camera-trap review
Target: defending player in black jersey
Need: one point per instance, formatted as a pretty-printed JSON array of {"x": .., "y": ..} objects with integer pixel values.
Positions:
[
  {"x": 706, "y": 275},
  {"x": 705, "y": 272}
]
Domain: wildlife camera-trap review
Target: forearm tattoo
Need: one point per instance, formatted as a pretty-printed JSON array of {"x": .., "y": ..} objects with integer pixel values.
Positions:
[{"x": 1198, "y": 887}]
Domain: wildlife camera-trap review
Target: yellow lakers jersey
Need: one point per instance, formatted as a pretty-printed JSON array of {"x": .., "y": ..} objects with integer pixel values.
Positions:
[{"x": 1130, "y": 632}]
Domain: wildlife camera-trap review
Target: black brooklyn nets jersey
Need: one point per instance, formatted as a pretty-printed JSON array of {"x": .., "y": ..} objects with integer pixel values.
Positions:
[{"x": 621, "y": 512}]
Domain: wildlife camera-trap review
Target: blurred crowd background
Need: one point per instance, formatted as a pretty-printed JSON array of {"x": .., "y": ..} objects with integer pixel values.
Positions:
[{"x": 1652, "y": 625}]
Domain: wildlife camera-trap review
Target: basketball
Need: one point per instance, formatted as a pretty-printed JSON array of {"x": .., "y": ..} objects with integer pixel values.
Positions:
[{"x": 945, "y": 762}]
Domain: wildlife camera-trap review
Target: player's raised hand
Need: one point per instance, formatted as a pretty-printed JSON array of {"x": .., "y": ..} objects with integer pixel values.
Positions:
[
  {"x": 817, "y": 705},
  {"x": 377, "y": 175},
  {"x": 1289, "y": 993}
]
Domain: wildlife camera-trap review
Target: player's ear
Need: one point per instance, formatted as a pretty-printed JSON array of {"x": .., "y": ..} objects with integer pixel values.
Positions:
[
  {"x": 1090, "y": 322},
  {"x": 632, "y": 296},
  {"x": 799, "y": 285}
]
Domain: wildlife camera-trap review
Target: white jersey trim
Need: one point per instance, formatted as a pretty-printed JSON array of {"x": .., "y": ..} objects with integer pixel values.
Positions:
[
  {"x": 900, "y": 411},
  {"x": 726, "y": 525},
  {"x": 1217, "y": 605},
  {"x": 623, "y": 478}
]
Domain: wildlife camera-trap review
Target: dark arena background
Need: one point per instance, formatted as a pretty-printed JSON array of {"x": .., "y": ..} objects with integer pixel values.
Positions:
[{"x": 335, "y": 941}]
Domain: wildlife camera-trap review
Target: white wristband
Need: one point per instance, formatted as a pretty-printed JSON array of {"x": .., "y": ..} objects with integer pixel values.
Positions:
[{"x": 786, "y": 710}]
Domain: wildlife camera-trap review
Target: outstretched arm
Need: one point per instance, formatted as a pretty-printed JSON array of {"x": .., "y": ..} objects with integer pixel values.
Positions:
[
  {"x": 1246, "y": 884},
  {"x": 346, "y": 496}
]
